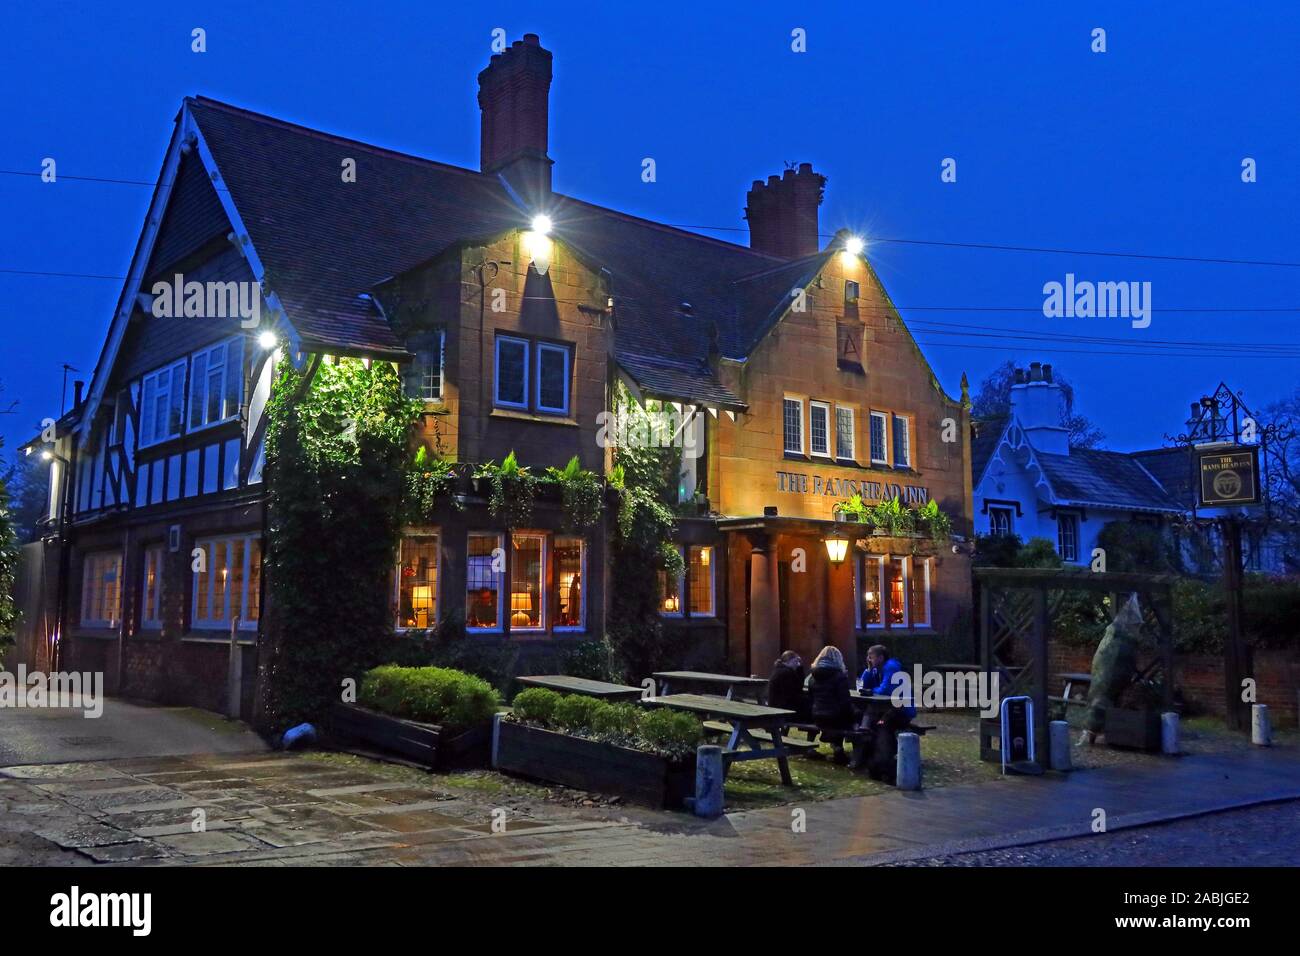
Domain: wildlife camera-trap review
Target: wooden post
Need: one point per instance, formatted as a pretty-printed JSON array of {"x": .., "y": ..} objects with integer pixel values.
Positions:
[
  {"x": 1234, "y": 668},
  {"x": 1041, "y": 740}
]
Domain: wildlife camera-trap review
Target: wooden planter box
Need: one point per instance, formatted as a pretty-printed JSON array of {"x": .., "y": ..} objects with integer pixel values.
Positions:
[
  {"x": 1134, "y": 729},
  {"x": 592, "y": 765},
  {"x": 426, "y": 744}
]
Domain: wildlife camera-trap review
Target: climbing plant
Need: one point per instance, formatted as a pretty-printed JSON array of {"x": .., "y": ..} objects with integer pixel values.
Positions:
[
  {"x": 640, "y": 547},
  {"x": 336, "y": 446},
  {"x": 512, "y": 490},
  {"x": 8, "y": 567},
  {"x": 428, "y": 479},
  {"x": 581, "y": 492}
]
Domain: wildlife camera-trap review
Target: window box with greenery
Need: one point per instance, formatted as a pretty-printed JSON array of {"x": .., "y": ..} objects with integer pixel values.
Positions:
[
  {"x": 646, "y": 756},
  {"x": 510, "y": 490},
  {"x": 433, "y": 715}
]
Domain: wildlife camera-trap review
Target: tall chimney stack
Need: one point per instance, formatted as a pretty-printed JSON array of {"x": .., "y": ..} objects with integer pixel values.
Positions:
[
  {"x": 513, "y": 94},
  {"x": 782, "y": 213}
]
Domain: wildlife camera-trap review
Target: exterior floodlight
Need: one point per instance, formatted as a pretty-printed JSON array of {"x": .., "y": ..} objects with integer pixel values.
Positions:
[
  {"x": 266, "y": 340},
  {"x": 47, "y": 455},
  {"x": 854, "y": 245},
  {"x": 542, "y": 224}
]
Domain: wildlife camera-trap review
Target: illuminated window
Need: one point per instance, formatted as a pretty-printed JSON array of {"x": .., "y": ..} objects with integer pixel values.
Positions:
[
  {"x": 151, "y": 594},
  {"x": 527, "y": 604},
  {"x": 844, "y": 433},
  {"x": 231, "y": 567},
  {"x": 101, "y": 590},
  {"x": 483, "y": 579},
  {"x": 870, "y": 582},
  {"x": 896, "y": 592},
  {"x": 792, "y": 422},
  {"x": 670, "y": 593},
  {"x": 919, "y": 609},
  {"x": 567, "y": 557},
  {"x": 878, "y": 447},
  {"x": 417, "y": 581},
  {"x": 699, "y": 573},
  {"x": 819, "y": 428}
]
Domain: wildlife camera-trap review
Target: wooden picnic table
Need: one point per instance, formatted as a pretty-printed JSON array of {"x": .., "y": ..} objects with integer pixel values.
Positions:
[
  {"x": 1071, "y": 679},
  {"x": 755, "y": 685},
  {"x": 744, "y": 718},
  {"x": 581, "y": 685}
]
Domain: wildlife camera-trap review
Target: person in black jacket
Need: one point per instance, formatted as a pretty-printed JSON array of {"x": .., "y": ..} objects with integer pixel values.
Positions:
[
  {"x": 832, "y": 710},
  {"x": 785, "y": 685}
]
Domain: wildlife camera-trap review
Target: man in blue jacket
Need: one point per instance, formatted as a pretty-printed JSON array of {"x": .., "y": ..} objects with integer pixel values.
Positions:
[{"x": 878, "y": 678}]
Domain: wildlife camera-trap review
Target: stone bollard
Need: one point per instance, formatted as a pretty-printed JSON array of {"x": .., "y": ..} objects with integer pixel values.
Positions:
[
  {"x": 1261, "y": 728},
  {"x": 1169, "y": 733},
  {"x": 708, "y": 781},
  {"x": 1058, "y": 739},
  {"x": 909, "y": 762},
  {"x": 496, "y": 740}
]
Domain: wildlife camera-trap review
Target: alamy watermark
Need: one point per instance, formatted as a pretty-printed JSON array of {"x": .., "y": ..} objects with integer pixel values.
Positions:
[
  {"x": 208, "y": 300},
  {"x": 1084, "y": 299},
  {"x": 642, "y": 428},
  {"x": 81, "y": 691},
  {"x": 932, "y": 690}
]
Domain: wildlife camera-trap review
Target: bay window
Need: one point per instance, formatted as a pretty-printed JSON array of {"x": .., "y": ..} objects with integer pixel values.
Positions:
[
  {"x": 162, "y": 400},
  {"x": 527, "y": 591},
  {"x": 893, "y": 591},
  {"x": 216, "y": 383}
]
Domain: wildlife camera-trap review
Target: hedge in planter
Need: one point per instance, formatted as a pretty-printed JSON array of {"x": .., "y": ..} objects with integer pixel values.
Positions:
[
  {"x": 435, "y": 715},
  {"x": 581, "y": 742}
]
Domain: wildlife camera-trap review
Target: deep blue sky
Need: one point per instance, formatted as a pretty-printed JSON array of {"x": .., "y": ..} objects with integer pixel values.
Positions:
[{"x": 1137, "y": 149}]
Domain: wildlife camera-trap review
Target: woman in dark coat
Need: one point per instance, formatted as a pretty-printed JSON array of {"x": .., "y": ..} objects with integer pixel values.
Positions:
[
  {"x": 785, "y": 685},
  {"x": 832, "y": 710}
]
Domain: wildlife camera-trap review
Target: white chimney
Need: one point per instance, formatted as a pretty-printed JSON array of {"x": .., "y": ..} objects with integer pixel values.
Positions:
[{"x": 1038, "y": 403}]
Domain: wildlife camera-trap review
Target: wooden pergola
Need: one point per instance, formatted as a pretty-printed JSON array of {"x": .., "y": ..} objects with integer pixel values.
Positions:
[{"x": 1016, "y": 607}]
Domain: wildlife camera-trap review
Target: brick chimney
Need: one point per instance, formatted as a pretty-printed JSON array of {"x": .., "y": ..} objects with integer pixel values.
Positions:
[
  {"x": 512, "y": 93},
  {"x": 782, "y": 213}
]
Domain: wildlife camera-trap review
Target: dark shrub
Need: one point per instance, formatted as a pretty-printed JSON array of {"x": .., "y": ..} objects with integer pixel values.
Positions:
[
  {"x": 574, "y": 713},
  {"x": 536, "y": 705},
  {"x": 433, "y": 695},
  {"x": 616, "y": 723},
  {"x": 669, "y": 732}
]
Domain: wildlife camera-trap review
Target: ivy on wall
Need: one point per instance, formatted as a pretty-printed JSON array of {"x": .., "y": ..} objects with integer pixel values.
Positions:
[
  {"x": 336, "y": 451},
  {"x": 642, "y": 546}
]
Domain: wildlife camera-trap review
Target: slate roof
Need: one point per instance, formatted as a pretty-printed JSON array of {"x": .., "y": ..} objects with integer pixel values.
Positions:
[
  {"x": 324, "y": 242},
  {"x": 1172, "y": 467},
  {"x": 983, "y": 443},
  {"x": 1106, "y": 479}
]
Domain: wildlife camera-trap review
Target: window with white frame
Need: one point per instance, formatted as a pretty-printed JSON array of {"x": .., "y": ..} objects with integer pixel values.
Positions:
[
  {"x": 424, "y": 374},
  {"x": 484, "y": 577},
  {"x": 553, "y": 378},
  {"x": 216, "y": 383},
  {"x": 527, "y": 582},
  {"x": 151, "y": 588},
  {"x": 1067, "y": 536},
  {"x": 568, "y": 558},
  {"x": 893, "y": 591},
  {"x": 417, "y": 580},
  {"x": 511, "y": 372},
  {"x": 902, "y": 443},
  {"x": 879, "y": 449},
  {"x": 1000, "y": 521},
  {"x": 819, "y": 429},
  {"x": 844, "y": 436},
  {"x": 792, "y": 425},
  {"x": 162, "y": 403},
  {"x": 101, "y": 589},
  {"x": 227, "y": 583}
]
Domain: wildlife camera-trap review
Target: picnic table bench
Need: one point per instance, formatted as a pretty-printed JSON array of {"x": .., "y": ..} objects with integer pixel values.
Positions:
[
  {"x": 754, "y": 686},
  {"x": 1070, "y": 680},
  {"x": 744, "y": 719},
  {"x": 581, "y": 685}
]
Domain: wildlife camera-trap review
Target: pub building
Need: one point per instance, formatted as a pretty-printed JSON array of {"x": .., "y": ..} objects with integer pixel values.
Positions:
[{"x": 516, "y": 315}]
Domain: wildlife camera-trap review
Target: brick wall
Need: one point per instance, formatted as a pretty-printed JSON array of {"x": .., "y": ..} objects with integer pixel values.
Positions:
[{"x": 1200, "y": 677}]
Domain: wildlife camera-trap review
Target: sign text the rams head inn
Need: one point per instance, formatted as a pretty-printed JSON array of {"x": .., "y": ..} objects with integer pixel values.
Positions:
[{"x": 800, "y": 484}]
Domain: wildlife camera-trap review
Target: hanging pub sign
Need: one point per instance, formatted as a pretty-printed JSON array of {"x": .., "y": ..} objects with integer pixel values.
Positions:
[{"x": 1228, "y": 476}]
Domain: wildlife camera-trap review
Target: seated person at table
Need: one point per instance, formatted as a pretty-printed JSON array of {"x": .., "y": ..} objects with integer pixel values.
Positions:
[
  {"x": 878, "y": 678},
  {"x": 785, "y": 685},
  {"x": 832, "y": 708}
]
